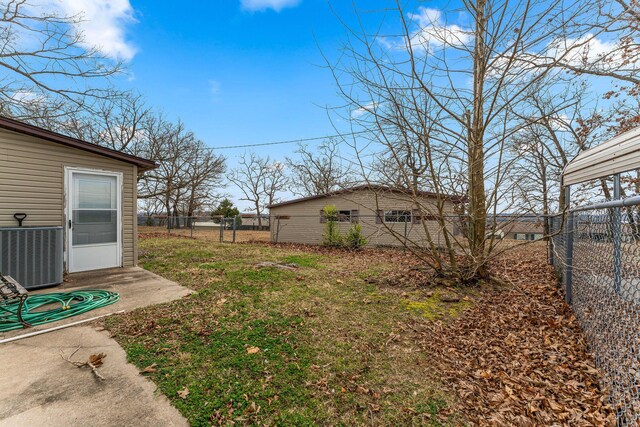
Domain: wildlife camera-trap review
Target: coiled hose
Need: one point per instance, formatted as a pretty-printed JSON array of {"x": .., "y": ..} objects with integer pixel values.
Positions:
[{"x": 68, "y": 304}]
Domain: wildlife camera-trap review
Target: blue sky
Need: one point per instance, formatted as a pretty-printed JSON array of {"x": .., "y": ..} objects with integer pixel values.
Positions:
[
  {"x": 236, "y": 72},
  {"x": 241, "y": 71},
  {"x": 236, "y": 76},
  {"x": 233, "y": 74}
]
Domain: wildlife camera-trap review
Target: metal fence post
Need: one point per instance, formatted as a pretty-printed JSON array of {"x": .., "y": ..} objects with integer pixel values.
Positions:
[
  {"x": 568, "y": 279},
  {"x": 234, "y": 228},
  {"x": 616, "y": 232},
  {"x": 550, "y": 248},
  {"x": 221, "y": 229},
  {"x": 404, "y": 248},
  {"x": 568, "y": 247}
]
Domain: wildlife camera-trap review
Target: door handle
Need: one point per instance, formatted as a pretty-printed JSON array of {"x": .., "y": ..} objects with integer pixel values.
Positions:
[{"x": 70, "y": 225}]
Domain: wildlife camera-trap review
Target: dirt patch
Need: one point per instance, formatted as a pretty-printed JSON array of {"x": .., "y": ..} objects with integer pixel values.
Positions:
[{"x": 205, "y": 234}]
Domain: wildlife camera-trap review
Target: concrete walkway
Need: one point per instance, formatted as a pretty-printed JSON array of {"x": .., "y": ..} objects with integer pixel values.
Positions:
[{"x": 39, "y": 388}]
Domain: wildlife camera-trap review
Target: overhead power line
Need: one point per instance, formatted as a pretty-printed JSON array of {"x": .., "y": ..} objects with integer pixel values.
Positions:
[{"x": 290, "y": 141}]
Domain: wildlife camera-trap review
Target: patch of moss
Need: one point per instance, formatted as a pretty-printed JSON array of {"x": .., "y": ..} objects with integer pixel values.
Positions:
[
  {"x": 433, "y": 308},
  {"x": 375, "y": 296}
]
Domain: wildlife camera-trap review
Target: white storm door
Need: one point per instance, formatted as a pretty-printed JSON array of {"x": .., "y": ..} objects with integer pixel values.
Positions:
[{"x": 94, "y": 202}]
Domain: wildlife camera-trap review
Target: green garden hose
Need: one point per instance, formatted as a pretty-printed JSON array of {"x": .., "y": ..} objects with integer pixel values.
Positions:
[{"x": 34, "y": 310}]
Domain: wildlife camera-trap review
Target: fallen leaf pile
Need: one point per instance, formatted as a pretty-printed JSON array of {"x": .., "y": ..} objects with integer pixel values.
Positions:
[{"x": 518, "y": 356}]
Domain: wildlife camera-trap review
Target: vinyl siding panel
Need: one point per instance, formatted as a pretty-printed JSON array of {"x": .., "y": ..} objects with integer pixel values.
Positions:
[
  {"x": 300, "y": 222},
  {"x": 32, "y": 181}
]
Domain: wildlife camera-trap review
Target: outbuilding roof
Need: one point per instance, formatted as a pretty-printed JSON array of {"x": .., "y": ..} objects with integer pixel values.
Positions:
[
  {"x": 372, "y": 187},
  {"x": 619, "y": 154},
  {"x": 38, "y": 132}
]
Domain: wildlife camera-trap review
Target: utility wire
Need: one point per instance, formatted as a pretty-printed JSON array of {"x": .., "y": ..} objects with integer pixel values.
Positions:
[{"x": 291, "y": 141}]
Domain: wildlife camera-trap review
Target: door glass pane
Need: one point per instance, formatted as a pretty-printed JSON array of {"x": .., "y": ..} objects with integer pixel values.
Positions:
[
  {"x": 95, "y": 209},
  {"x": 94, "y": 192},
  {"x": 95, "y": 226}
]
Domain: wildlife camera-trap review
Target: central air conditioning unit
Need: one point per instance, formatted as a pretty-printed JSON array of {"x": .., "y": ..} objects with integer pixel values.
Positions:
[{"x": 33, "y": 256}]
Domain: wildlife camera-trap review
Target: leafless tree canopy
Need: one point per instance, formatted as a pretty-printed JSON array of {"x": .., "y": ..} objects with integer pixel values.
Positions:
[
  {"x": 53, "y": 80},
  {"x": 44, "y": 61},
  {"x": 318, "y": 170},
  {"x": 189, "y": 174},
  {"x": 260, "y": 180},
  {"x": 446, "y": 104}
]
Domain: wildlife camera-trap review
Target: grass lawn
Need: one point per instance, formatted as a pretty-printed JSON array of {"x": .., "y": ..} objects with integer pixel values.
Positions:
[
  {"x": 318, "y": 345},
  {"x": 359, "y": 339}
]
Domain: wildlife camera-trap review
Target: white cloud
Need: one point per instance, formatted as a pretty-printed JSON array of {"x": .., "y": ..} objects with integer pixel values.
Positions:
[
  {"x": 26, "y": 96},
  {"x": 585, "y": 50},
  {"x": 262, "y": 5},
  {"x": 560, "y": 122},
  {"x": 432, "y": 32},
  {"x": 361, "y": 111},
  {"x": 104, "y": 24}
]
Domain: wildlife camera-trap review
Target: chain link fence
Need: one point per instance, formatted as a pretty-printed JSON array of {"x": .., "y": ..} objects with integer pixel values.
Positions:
[
  {"x": 388, "y": 228},
  {"x": 596, "y": 252},
  {"x": 215, "y": 228}
]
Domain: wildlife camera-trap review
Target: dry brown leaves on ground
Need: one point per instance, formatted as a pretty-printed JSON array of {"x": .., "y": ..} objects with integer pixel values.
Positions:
[{"x": 518, "y": 356}]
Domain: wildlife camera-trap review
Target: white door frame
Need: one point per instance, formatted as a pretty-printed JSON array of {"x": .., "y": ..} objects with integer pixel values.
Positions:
[{"x": 68, "y": 180}]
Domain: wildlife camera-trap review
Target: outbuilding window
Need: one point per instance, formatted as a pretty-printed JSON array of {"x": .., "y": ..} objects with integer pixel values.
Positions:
[
  {"x": 397, "y": 216},
  {"x": 343, "y": 216}
]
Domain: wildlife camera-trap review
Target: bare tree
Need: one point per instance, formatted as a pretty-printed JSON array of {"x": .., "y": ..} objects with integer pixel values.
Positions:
[
  {"x": 318, "y": 171},
  {"x": 116, "y": 122},
  {"x": 45, "y": 61},
  {"x": 557, "y": 126},
  {"x": 407, "y": 157},
  {"x": 260, "y": 180},
  {"x": 188, "y": 172},
  {"x": 607, "y": 45},
  {"x": 203, "y": 176},
  {"x": 453, "y": 94}
]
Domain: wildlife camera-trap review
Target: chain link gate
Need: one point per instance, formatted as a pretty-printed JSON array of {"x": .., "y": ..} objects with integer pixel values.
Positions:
[{"x": 228, "y": 229}]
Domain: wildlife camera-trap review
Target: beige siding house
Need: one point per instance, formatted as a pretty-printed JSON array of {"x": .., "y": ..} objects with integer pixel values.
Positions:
[
  {"x": 250, "y": 221},
  {"x": 388, "y": 216},
  {"x": 521, "y": 227},
  {"x": 87, "y": 189}
]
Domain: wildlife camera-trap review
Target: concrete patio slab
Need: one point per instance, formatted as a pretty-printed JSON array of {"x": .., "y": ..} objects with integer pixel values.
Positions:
[
  {"x": 40, "y": 388},
  {"x": 137, "y": 288}
]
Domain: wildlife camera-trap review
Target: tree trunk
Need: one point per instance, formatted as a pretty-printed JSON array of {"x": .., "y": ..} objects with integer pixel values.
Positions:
[
  {"x": 477, "y": 194},
  {"x": 545, "y": 198},
  {"x": 258, "y": 215}
]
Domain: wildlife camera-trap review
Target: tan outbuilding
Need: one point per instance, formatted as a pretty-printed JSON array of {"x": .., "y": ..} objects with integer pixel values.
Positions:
[
  {"x": 88, "y": 191},
  {"x": 388, "y": 216}
]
